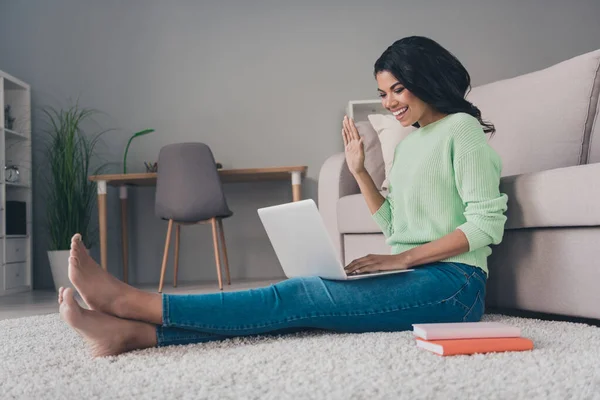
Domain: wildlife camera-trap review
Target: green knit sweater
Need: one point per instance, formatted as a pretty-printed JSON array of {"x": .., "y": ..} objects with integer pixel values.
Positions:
[{"x": 445, "y": 176}]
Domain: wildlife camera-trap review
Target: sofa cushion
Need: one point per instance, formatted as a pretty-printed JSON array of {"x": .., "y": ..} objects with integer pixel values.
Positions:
[
  {"x": 354, "y": 215},
  {"x": 542, "y": 117},
  {"x": 560, "y": 197},
  {"x": 360, "y": 245},
  {"x": 595, "y": 136},
  {"x": 390, "y": 133},
  {"x": 555, "y": 198},
  {"x": 373, "y": 157}
]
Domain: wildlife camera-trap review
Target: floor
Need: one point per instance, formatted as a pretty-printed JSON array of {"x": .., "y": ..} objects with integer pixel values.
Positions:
[
  {"x": 46, "y": 359},
  {"x": 40, "y": 302}
]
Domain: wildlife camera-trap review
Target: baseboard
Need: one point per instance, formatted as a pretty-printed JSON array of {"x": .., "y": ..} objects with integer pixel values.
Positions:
[{"x": 542, "y": 316}]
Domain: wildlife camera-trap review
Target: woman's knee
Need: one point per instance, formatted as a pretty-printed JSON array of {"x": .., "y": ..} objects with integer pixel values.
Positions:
[{"x": 301, "y": 281}]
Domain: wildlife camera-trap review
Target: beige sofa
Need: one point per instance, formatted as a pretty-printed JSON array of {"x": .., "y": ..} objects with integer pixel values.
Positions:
[{"x": 548, "y": 135}]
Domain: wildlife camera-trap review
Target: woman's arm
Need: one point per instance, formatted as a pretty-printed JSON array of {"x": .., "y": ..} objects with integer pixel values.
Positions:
[
  {"x": 447, "y": 246},
  {"x": 450, "y": 245},
  {"x": 369, "y": 191},
  {"x": 355, "y": 157}
]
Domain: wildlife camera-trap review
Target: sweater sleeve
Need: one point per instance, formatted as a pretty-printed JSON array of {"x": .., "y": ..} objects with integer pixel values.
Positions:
[
  {"x": 477, "y": 174},
  {"x": 383, "y": 216}
]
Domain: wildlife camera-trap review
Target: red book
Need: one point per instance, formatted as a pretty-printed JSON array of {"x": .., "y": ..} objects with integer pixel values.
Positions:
[{"x": 451, "y": 347}]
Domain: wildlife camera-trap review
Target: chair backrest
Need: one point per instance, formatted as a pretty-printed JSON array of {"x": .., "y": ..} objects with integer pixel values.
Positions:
[{"x": 188, "y": 186}]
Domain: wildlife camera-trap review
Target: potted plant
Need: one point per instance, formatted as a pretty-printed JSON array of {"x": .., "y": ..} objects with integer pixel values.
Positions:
[{"x": 69, "y": 194}]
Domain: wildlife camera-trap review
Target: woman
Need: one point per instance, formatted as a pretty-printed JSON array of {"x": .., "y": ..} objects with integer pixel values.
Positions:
[{"x": 442, "y": 212}]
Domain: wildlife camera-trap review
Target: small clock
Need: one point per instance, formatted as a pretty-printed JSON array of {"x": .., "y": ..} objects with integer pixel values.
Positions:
[{"x": 12, "y": 173}]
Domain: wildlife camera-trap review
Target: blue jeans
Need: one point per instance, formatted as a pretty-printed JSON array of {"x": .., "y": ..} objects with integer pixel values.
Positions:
[{"x": 436, "y": 292}]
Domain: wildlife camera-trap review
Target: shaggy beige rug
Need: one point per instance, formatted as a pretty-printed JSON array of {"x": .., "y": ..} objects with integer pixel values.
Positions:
[{"x": 41, "y": 358}]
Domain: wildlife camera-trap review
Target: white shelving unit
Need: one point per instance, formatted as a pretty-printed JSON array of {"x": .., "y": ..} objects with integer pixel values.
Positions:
[{"x": 15, "y": 149}]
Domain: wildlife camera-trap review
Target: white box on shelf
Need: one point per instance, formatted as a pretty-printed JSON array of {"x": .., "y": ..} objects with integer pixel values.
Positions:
[
  {"x": 14, "y": 276},
  {"x": 16, "y": 250}
]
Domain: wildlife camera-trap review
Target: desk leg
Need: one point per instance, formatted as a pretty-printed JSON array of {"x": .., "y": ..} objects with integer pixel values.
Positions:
[
  {"x": 124, "y": 238},
  {"x": 102, "y": 222},
  {"x": 296, "y": 182}
]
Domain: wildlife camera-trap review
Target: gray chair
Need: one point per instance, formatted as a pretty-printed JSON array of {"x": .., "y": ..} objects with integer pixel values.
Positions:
[{"x": 189, "y": 191}]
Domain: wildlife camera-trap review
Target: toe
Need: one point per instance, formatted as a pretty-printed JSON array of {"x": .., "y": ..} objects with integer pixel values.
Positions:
[
  {"x": 69, "y": 309},
  {"x": 74, "y": 261},
  {"x": 73, "y": 272},
  {"x": 68, "y": 296},
  {"x": 78, "y": 246}
]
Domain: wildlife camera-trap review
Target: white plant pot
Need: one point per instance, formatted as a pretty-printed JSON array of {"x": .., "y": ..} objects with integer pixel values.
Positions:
[{"x": 59, "y": 265}]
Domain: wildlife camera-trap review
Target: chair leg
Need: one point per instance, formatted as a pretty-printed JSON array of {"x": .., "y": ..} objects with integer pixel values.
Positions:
[
  {"x": 225, "y": 260},
  {"x": 177, "y": 233},
  {"x": 216, "y": 246},
  {"x": 165, "y": 257}
]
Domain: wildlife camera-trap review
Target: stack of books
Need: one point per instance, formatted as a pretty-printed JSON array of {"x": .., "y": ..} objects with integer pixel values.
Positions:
[{"x": 448, "y": 339}]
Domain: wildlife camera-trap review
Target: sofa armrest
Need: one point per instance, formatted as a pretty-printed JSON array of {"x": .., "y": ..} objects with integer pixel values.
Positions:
[
  {"x": 335, "y": 182},
  {"x": 558, "y": 197}
]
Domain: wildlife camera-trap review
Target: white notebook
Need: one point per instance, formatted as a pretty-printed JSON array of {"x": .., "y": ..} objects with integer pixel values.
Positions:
[{"x": 465, "y": 330}]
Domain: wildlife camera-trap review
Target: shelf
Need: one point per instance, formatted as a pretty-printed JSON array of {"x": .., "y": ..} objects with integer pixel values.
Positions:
[
  {"x": 12, "y": 83},
  {"x": 17, "y": 185},
  {"x": 10, "y": 134},
  {"x": 360, "y": 109},
  {"x": 16, "y": 149}
]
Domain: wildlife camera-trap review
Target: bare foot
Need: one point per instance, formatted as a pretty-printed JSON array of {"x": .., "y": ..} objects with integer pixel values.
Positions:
[
  {"x": 105, "y": 334},
  {"x": 100, "y": 290},
  {"x": 103, "y": 292}
]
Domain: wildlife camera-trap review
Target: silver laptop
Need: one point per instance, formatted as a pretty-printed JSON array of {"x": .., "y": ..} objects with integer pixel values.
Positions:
[{"x": 302, "y": 243}]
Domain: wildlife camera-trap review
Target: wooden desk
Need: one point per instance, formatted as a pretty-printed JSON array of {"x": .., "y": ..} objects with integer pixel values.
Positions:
[{"x": 149, "y": 179}]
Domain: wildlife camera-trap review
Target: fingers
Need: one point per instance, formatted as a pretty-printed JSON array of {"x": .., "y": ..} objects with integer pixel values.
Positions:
[
  {"x": 353, "y": 129},
  {"x": 350, "y": 129},
  {"x": 361, "y": 269},
  {"x": 348, "y": 125},
  {"x": 350, "y": 268},
  {"x": 346, "y": 129},
  {"x": 345, "y": 133},
  {"x": 363, "y": 264}
]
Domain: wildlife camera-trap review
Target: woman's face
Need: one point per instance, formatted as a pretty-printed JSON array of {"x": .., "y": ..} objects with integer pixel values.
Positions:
[{"x": 406, "y": 107}]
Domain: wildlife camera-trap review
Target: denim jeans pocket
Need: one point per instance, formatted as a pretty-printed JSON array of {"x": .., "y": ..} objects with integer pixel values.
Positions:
[
  {"x": 475, "y": 312},
  {"x": 457, "y": 268},
  {"x": 480, "y": 275}
]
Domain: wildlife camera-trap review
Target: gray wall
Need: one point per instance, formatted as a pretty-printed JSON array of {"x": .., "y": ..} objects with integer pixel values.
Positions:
[{"x": 264, "y": 83}]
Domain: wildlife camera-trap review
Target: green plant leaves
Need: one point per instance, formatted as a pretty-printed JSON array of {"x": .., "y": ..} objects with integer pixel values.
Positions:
[
  {"x": 140, "y": 133},
  {"x": 70, "y": 195}
]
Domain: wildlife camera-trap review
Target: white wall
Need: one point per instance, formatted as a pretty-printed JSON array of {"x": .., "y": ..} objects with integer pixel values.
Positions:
[{"x": 264, "y": 83}]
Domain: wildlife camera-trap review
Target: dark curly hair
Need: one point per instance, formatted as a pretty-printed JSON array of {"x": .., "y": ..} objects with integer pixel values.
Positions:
[{"x": 431, "y": 73}]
